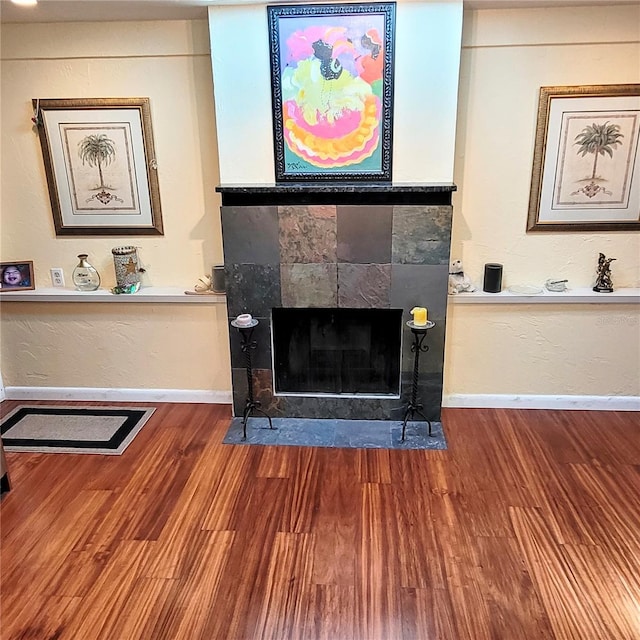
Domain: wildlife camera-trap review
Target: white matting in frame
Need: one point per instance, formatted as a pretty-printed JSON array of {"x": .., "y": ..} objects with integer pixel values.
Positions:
[
  {"x": 100, "y": 166},
  {"x": 586, "y": 173}
]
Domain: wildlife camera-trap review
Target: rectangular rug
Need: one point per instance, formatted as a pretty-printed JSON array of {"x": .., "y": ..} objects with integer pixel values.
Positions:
[{"x": 60, "y": 429}]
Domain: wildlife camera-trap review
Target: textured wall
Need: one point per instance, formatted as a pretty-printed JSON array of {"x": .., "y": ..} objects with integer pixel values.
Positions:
[
  {"x": 120, "y": 346},
  {"x": 576, "y": 349},
  {"x": 535, "y": 349},
  {"x": 113, "y": 345},
  {"x": 506, "y": 57}
]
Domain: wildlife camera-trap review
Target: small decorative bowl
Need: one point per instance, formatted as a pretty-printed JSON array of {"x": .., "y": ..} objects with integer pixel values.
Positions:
[
  {"x": 556, "y": 285},
  {"x": 524, "y": 290}
]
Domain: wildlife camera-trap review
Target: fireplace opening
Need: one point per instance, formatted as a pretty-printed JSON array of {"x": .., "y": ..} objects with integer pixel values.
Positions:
[{"x": 354, "y": 352}]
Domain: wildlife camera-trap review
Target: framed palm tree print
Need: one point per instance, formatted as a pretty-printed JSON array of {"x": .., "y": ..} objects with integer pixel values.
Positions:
[
  {"x": 586, "y": 166},
  {"x": 100, "y": 165},
  {"x": 332, "y": 91}
]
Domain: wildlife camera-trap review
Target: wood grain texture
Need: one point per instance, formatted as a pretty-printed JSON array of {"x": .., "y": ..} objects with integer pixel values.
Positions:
[
  {"x": 189, "y": 608},
  {"x": 527, "y": 526},
  {"x": 378, "y": 613},
  {"x": 283, "y": 607},
  {"x": 331, "y": 613}
]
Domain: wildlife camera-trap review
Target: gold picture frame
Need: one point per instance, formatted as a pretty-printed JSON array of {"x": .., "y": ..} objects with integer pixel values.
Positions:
[
  {"x": 101, "y": 167},
  {"x": 586, "y": 164}
]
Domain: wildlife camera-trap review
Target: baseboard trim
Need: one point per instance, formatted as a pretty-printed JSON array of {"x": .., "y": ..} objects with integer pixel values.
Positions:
[
  {"x": 118, "y": 395},
  {"x": 455, "y": 400},
  {"x": 517, "y": 401}
]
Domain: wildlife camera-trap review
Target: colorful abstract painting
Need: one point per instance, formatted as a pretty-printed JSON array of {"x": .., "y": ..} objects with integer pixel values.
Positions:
[{"x": 331, "y": 73}]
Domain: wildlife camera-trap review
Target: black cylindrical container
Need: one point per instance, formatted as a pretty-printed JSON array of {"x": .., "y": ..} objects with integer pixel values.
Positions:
[
  {"x": 218, "y": 284},
  {"x": 492, "y": 277}
]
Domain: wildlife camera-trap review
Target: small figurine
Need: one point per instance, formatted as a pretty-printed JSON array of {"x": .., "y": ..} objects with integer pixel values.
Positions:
[
  {"x": 603, "y": 281},
  {"x": 458, "y": 281},
  {"x": 203, "y": 284}
]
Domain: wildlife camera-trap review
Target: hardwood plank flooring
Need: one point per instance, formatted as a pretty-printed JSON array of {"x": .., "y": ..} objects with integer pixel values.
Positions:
[{"x": 526, "y": 528}]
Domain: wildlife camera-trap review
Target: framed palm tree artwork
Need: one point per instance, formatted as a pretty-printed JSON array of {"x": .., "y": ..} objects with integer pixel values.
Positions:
[
  {"x": 586, "y": 165},
  {"x": 100, "y": 165}
]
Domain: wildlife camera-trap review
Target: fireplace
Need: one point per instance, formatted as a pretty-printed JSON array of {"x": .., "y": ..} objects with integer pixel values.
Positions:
[
  {"x": 327, "y": 250},
  {"x": 341, "y": 352}
]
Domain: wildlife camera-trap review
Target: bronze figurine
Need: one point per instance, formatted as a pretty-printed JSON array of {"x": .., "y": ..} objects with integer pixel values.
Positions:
[{"x": 603, "y": 281}]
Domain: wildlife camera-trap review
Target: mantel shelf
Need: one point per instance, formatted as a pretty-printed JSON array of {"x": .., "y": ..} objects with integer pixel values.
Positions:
[
  {"x": 337, "y": 193},
  {"x": 178, "y": 295},
  {"x": 574, "y": 296},
  {"x": 145, "y": 294}
]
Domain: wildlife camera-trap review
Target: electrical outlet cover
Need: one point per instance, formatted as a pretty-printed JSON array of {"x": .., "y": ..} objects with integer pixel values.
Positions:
[{"x": 57, "y": 277}]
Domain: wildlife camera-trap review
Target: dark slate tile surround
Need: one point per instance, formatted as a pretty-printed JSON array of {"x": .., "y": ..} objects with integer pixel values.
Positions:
[
  {"x": 344, "y": 434},
  {"x": 365, "y": 246}
]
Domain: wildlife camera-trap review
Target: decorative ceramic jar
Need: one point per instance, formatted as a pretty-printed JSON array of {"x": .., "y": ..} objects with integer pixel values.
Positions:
[
  {"x": 85, "y": 277},
  {"x": 127, "y": 266}
]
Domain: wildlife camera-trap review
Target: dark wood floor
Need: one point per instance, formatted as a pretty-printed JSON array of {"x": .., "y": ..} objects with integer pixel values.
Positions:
[{"x": 526, "y": 528}]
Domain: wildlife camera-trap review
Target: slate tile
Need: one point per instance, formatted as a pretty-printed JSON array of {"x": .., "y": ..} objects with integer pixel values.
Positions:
[
  {"x": 346, "y": 434},
  {"x": 252, "y": 288},
  {"x": 307, "y": 234},
  {"x": 308, "y": 433},
  {"x": 261, "y": 355},
  {"x": 340, "y": 408},
  {"x": 363, "y": 434},
  {"x": 364, "y": 234},
  {"x": 421, "y": 235},
  {"x": 364, "y": 285},
  {"x": 250, "y": 235},
  {"x": 420, "y": 286},
  {"x": 238, "y": 390},
  {"x": 258, "y": 432},
  {"x": 429, "y": 393},
  {"x": 262, "y": 391},
  {"x": 309, "y": 285},
  {"x": 431, "y": 361},
  {"x": 417, "y": 436}
]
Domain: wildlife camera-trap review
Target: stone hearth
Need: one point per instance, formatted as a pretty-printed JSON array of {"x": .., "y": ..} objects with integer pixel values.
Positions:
[{"x": 337, "y": 246}]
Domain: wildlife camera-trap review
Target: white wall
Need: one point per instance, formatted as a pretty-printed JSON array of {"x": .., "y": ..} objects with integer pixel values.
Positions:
[
  {"x": 427, "y": 59},
  {"x": 166, "y": 61},
  {"x": 506, "y": 57},
  {"x": 535, "y": 349},
  {"x": 114, "y": 345}
]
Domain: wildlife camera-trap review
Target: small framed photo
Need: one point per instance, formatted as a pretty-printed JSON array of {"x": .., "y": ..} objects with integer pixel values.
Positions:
[
  {"x": 17, "y": 276},
  {"x": 586, "y": 165},
  {"x": 101, "y": 167}
]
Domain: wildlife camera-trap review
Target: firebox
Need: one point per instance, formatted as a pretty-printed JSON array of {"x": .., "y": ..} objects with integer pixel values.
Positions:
[{"x": 338, "y": 352}]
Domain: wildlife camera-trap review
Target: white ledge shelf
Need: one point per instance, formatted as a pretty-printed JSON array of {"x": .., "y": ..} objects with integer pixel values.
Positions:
[
  {"x": 573, "y": 296},
  {"x": 145, "y": 294}
]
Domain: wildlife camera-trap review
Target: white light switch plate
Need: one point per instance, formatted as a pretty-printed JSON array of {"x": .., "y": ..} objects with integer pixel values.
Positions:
[{"x": 57, "y": 277}]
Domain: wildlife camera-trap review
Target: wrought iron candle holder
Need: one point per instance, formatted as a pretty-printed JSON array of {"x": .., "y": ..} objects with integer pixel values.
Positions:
[
  {"x": 419, "y": 346},
  {"x": 247, "y": 346}
]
